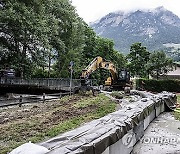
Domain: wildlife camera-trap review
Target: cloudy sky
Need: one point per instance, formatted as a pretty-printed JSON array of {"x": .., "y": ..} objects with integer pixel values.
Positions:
[{"x": 91, "y": 10}]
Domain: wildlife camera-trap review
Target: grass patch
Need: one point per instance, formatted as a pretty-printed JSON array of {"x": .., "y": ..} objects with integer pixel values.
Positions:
[
  {"x": 104, "y": 106},
  {"x": 99, "y": 100},
  {"x": 117, "y": 95},
  {"x": 75, "y": 111},
  {"x": 65, "y": 126},
  {"x": 178, "y": 98}
]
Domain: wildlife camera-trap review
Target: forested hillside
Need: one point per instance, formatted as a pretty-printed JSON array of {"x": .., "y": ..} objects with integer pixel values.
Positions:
[{"x": 39, "y": 39}]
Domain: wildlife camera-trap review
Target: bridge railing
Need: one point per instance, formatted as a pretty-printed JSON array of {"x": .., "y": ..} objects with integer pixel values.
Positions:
[{"x": 48, "y": 82}]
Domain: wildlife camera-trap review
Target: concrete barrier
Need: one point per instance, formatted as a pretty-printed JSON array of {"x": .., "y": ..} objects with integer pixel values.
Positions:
[
  {"x": 115, "y": 133},
  {"x": 138, "y": 131}
]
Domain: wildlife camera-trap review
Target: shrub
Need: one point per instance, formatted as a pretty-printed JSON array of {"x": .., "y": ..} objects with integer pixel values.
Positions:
[{"x": 158, "y": 85}]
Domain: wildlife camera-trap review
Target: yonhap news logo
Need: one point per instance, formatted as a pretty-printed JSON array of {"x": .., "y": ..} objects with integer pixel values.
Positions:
[
  {"x": 160, "y": 140},
  {"x": 129, "y": 139}
]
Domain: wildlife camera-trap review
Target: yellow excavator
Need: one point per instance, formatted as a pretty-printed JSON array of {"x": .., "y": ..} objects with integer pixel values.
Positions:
[{"x": 117, "y": 81}]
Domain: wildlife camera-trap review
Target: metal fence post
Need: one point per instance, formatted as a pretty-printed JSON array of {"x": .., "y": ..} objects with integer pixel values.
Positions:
[
  {"x": 44, "y": 97},
  {"x": 20, "y": 101}
]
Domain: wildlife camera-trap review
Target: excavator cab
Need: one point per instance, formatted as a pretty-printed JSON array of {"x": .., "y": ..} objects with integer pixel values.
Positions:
[
  {"x": 122, "y": 81},
  {"x": 124, "y": 75}
]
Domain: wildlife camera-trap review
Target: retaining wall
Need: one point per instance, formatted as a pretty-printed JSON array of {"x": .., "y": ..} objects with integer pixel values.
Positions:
[{"x": 115, "y": 133}]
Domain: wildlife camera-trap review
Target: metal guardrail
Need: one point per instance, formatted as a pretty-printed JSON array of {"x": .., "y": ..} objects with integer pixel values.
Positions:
[
  {"x": 41, "y": 82},
  {"x": 30, "y": 99},
  {"x": 51, "y": 83}
]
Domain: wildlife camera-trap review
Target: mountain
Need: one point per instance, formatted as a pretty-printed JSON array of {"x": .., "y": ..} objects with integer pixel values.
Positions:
[{"x": 154, "y": 28}]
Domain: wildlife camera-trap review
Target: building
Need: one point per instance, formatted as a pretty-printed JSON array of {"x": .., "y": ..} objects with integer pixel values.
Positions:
[{"x": 175, "y": 74}]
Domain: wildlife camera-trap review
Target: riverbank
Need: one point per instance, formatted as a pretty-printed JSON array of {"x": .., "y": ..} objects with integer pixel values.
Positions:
[{"x": 39, "y": 121}]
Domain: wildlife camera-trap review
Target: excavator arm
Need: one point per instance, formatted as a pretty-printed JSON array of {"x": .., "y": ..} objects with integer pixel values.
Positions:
[
  {"x": 97, "y": 63},
  {"x": 118, "y": 80}
]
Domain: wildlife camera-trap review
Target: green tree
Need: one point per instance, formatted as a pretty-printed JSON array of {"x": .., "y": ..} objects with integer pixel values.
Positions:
[
  {"x": 118, "y": 59},
  {"x": 137, "y": 60},
  {"x": 67, "y": 38},
  {"x": 90, "y": 45},
  {"x": 31, "y": 29},
  {"x": 42, "y": 37},
  {"x": 105, "y": 48},
  {"x": 23, "y": 33},
  {"x": 159, "y": 64}
]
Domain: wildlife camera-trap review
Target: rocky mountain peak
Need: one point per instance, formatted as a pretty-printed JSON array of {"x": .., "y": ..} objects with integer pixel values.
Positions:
[
  {"x": 153, "y": 27},
  {"x": 160, "y": 8}
]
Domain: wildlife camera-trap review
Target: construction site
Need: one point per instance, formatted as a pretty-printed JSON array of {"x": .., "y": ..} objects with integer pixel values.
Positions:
[
  {"x": 89, "y": 77},
  {"x": 90, "y": 119}
]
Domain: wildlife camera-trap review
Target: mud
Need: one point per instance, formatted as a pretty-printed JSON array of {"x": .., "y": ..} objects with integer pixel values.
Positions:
[{"x": 11, "y": 114}]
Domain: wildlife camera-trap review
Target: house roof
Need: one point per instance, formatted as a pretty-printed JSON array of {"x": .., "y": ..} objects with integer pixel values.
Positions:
[
  {"x": 175, "y": 72},
  {"x": 177, "y": 63}
]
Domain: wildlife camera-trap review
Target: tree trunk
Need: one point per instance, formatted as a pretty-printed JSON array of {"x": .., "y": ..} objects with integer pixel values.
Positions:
[
  {"x": 23, "y": 62},
  {"x": 157, "y": 74}
]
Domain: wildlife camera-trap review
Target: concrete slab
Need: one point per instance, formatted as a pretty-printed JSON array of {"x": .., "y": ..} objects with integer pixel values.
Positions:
[
  {"x": 106, "y": 151},
  {"x": 162, "y": 136}
]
